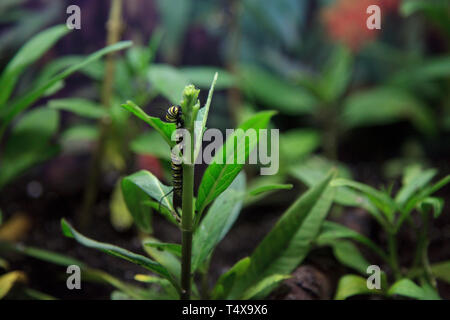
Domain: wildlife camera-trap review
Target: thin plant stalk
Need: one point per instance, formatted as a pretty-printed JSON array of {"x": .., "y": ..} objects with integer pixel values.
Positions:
[
  {"x": 187, "y": 218},
  {"x": 114, "y": 27},
  {"x": 393, "y": 257}
]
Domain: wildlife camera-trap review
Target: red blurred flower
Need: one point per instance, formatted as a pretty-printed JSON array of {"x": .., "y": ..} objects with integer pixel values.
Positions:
[
  {"x": 346, "y": 21},
  {"x": 150, "y": 163}
]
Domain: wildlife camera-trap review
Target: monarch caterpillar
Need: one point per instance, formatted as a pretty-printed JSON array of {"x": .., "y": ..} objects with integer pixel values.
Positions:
[{"x": 174, "y": 115}]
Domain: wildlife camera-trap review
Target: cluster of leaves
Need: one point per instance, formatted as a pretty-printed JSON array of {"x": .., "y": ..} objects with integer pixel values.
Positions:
[
  {"x": 222, "y": 190},
  {"x": 29, "y": 140},
  {"x": 392, "y": 213}
]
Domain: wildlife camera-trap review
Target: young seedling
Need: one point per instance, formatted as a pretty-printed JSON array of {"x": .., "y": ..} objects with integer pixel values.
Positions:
[{"x": 391, "y": 213}]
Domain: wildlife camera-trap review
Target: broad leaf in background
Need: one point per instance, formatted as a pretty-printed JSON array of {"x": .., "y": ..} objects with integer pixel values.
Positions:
[
  {"x": 29, "y": 53},
  {"x": 168, "y": 81},
  {"x": 423, "y": 73},
  {"x": 296, "y": 144},
  {"x": 382, "y": 106},
  {"x": 138, "y": 188},
  {"x": 278, "y": 21},
  {"x": 151, "y": 143},
  {"x": 224, "y": 168},
  {"x": 29, "y": 143},
  {"x": 336, "y": 74},
  {"x": 175, "y": 16},
  {"x": 352, "y": 285},
  {"x": 276, "y": 93},
  {"x": 82, "y": 107},
  {"x": 288, "y": 243},
  {"x": 218, "y": 221},
  {"x": 201, "y": 77}
]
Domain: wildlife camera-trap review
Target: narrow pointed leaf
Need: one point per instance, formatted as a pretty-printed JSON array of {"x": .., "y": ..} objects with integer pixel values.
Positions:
[{"x": 224, "y": 168}]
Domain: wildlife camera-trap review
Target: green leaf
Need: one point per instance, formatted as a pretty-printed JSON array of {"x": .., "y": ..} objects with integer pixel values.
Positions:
[
  {"x": 27, "y": 55},
  {"x": 218, "y": 221},
  {"x": 29, "y": 143},
  {"x": 441, "y": 271},
  {"x": 423, "y": 194},
  {"x": 201, "y": 77},
  {"x": 25, "y": 101},
  {"x": 352, "y": 285},
  {"x": 174, "y": 17},
  {"x": 226, "y": 281},
  {"x": 315, "y": 168},
  {"x": 288, "y": 243},
  {"x": 432, "y": 204},
  {"x": 164, "y": 257},
  {"x": 202, "y": 117},
  {"x": 8, "y": 280},
  {"x": 121, "y": 218},
  {"x": 296, "y": 144},
  {"x": 136, "y": 189},
  {"x": 165, "y": 129},
  {"x": 271, "y": 187},
  {"x": 424, "y": 71},
  {"x": 263, "y": 285},
  {"x": 348, "y": 254},
  {"x": 336, "y": 74},
  {"x": 275, "y": 92},
  {"x": 151, "y": 143},
  {"x": 168, "y": 81},
  {"x": 332, "y": 231},
  {"x": 224, "y": 168},
  {"x": 381, "y": 200},
  {"x": 419, "y": 181},
  {"x": 88, "y": 274},
  {"x": 79, "y": 133},
  {"x": 384, "y": 106},
  {"x": 82, "y": 107},
  {"x": 116, "y": 251},
  {"x": 48, "y": 256},
  {"x": 173, "y": 248},
  {"x": 408, "y": 288}
]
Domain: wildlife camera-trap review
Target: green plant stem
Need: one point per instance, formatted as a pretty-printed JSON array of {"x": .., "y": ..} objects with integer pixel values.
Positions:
[
  {"x": 187, "y": 230},
  {"x": 114, "y": 28},
  {"x": 393, "y": 258},
  {"x": 422, "y": 250}
]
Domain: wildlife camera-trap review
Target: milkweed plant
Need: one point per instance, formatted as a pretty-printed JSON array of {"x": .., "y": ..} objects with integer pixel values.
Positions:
[{"x": 205, "y": 219}]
